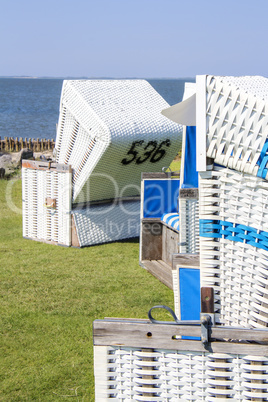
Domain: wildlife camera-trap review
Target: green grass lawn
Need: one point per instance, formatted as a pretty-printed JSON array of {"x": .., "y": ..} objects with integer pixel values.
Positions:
[{"x": 50, "y": 296}]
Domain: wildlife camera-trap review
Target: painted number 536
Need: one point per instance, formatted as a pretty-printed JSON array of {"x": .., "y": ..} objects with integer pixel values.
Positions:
[{"x": 141, "y": 151}]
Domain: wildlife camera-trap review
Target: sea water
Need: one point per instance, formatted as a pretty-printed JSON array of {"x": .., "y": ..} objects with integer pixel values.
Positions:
[{"x": 29, "y": 107}]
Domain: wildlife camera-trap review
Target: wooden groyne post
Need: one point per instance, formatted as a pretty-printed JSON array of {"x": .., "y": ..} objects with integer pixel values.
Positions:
[{"x": 9, "y": 144}]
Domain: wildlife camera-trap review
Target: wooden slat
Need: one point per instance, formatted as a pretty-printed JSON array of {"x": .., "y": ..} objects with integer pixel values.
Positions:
[
  {"x": 189, "y": 193},
  {"x": 59, "y": 167},
  {"x": 75, "y": 241},
  {"x": 151, "y": 220},
  {"x": 160, "y": 270},
  {"x": 185, "y": 260},
  {"x": 207, "y": 300},
  {"x": 163, "y": 336},
  {"x": 169, "y": 244},
  {"x": 151, "y": 241},
  {"x": 155, "y": 175}
]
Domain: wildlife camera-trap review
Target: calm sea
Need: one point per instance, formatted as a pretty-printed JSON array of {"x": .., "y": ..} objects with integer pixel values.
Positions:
[{"x": 30, "y": 107}]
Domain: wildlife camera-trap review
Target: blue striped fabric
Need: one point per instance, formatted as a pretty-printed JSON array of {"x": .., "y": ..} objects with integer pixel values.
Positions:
[
  {"x": 171, "y": 220},
  {"x": 234, "y": 232}
]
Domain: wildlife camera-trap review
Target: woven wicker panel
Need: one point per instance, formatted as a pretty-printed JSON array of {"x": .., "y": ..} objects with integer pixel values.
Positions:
[
  {"x": 237, "y": 123},
  {"x": 39, "y": 221},
  {"x": 110, "y": 132},
  {"x": 106, "y": 223},
  {"x": 234, "y": 245},
  {"x": 189, "y": 225},
  {"x": 168, "y": 375}
]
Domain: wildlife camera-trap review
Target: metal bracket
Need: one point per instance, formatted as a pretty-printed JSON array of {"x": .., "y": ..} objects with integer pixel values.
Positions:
[{"x": 205, "y": 323}]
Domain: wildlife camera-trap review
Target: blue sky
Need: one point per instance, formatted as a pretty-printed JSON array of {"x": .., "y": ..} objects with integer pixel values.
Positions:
[{"x": 133, "y": 38}]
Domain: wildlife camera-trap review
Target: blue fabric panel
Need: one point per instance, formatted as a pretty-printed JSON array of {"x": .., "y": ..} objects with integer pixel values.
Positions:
[
  {"x": 190, "y": 295},
  {"x": 190, "y": 178},
  {"x": 160, "y": 197}
]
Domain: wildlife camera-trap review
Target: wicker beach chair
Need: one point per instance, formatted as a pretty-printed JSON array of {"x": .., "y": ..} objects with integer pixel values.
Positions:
[
  {"x": 138, "y": 360},
  {"x": 233, "y": 198},
  {"x": 231, "y": 119},
  {"x": 109, "y": 132}
]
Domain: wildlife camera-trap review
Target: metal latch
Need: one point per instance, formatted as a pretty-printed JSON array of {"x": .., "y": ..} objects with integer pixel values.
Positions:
[{"x": 205, "y": 322}]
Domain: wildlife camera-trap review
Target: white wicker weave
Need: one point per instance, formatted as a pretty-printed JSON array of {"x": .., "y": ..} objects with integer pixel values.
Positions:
[
  {"x": 234, "y": 245},
  {"x": 110, "y": 131},
  {"x": 41, "y": 222},
  {"x": 107, "y": 223},
  {"x": 237, "y": 123},
  {"x": 138, "y": 374}
]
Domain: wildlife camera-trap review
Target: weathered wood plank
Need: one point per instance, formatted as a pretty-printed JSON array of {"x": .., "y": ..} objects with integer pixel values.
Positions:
[
  {"x": 185, "y": 260},
  {"x": 207, "y": 300},
  {"x": 75, "y": 241},
  {"x": 160, "y": 270},
  {"x": 189, "y": 193},
  {"x": 154, "y": 175},
  {"x": 169, "y": 244},
  {"x": 156, "y": 336},
  {"x": 151, "y": 220},
  {"x": 151, "y": 241},
  {"x": 59, "y": 167}
]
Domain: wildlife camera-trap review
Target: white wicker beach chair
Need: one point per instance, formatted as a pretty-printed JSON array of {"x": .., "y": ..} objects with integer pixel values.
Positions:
[
  {"x": 233, "y": 197},
  {"x": 46, "y": 202},
  {"x": 232, "y": 128},
  {"x": 232, "y": 119},
  {"x": 109, "y": 131},
  {"x": 153, "y": 363}
]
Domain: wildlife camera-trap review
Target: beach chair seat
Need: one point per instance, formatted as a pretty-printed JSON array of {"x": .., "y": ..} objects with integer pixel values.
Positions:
[{"x": 171, "y": 220}]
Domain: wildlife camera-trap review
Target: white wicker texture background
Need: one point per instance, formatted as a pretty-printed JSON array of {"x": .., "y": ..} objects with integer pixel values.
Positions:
[
  {"x": 39, "y": 221},
  {"x": 234, "y": 245},
  {"x": 99, "y": 122},
  {"x": 126, "y": 374},
  {"x": 105, "y": 223},
  {"x": 237, "y": 123}
]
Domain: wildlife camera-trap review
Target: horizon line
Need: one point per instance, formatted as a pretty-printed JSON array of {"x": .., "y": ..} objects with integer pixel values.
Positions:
[{"x": 93, "y": 78}]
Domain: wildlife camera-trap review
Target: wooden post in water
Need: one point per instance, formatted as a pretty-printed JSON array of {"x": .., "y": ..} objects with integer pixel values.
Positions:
[{"x": 16, "y": 144}]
